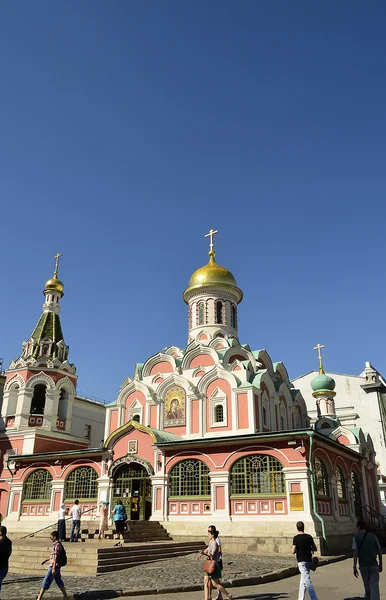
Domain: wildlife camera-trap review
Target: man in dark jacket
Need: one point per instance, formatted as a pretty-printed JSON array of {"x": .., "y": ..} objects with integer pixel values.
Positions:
[
  {"x": 366, "y": 548},
  {"x": 5, "y": 553}
]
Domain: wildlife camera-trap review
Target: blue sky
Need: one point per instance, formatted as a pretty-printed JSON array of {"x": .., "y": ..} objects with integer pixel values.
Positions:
[{"x": 130, "y": 128}]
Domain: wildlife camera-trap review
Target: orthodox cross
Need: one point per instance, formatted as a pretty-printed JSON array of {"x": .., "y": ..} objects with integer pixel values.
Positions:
[
  {"x": 56, "y": 257},
  {"x": 318, "y": 347},
  {"x": 210, "y": 235}
]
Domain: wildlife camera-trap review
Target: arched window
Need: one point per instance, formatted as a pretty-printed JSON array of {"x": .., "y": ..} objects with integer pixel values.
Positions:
[
  {"x": 63, "y": 403},
  {"x": 357, "y": 494},
  {"x": 137, "y": 418},
  {"x": 201, "y": 313},
  {"x": 38, "y": 399},
  {"x": 321, "y": 479},
  {"x": 233, "y": 316},
  {"x": 257, "y": 474},
  {"x": 189, "y": 478},
  {"x": 81, "y": 484},
  {"x": 219, "y": 413},
  {"x": 37, "y": 486},
  {"x": 340, "y": 484},
  {"x": 218, "y": 312}
]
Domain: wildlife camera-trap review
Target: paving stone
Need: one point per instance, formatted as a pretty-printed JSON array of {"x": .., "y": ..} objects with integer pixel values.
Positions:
[{"x": 165, "y": 574}]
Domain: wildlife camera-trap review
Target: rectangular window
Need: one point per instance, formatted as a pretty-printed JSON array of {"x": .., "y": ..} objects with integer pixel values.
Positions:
[{"x": 87, "y": 431}]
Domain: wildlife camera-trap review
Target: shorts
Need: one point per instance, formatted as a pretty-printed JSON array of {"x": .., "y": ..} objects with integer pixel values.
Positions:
[{"x": 50, "y": 577}]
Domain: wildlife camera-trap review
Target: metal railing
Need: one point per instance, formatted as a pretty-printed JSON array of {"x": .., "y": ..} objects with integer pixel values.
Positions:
[{"x": 55, "y": 524}]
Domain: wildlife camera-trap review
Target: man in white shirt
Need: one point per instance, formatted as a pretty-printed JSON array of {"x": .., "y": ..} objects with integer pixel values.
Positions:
[{"x": 75, "y": 514}]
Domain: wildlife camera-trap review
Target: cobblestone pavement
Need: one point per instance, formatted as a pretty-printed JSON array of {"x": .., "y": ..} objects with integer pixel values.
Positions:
[{"x": 184, "y": 570}]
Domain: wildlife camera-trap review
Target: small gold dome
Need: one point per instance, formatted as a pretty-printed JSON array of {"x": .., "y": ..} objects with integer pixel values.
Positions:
[
  {"x": 54, "y": 285},
  {"x": 212, "y": 274}
]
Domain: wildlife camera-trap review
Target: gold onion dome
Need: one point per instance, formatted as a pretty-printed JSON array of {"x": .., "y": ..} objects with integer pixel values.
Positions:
[
  {"x": 212, "y": 275},
  {"x": 54, "y": 284}
]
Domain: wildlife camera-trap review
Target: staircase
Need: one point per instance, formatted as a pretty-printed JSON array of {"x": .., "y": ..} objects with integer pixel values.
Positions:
[
  {"x": 95, "y": 556},
  {"x": 145, "y": 542},
  {"x": 376, "y": 523}
]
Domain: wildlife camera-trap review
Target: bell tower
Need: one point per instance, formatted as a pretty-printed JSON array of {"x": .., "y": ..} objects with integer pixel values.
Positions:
[{"x": 212, "y": 297}]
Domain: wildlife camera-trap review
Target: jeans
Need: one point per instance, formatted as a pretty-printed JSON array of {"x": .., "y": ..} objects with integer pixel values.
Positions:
[
  {"x": 50, "y": 577},
  {"x": 75, "y": 525},
  {"x": 305, "y": 581},
  {"x": 370, "y": 576},
  {"x": 3, "y": 574}
]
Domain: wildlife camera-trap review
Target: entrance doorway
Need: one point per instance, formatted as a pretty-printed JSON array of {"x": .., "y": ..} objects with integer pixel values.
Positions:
[{"x": 132, "y": 485}]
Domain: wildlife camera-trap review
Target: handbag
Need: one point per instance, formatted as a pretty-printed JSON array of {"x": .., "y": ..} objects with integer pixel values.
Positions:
[
  {"x": 314, "y": 563},
  {"x": 209, "y": 566}
]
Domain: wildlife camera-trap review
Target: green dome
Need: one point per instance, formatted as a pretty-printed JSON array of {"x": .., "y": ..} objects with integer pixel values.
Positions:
[{"x": 323, "y": 383}]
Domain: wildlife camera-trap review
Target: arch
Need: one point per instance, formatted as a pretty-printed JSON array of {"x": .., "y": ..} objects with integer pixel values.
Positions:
[
  {"x": 189, "y": 477},
  {"x": 37, "y": 485},
  {"x": 15, "y": 379},
  {"x": 219, "y": 306},
  {"x": 81, "y": 483},
  {"x": 196, "y": 352},
  {"x": 201, "y": 313},
  {"x": 132, "y": 486},
  {"x": 66, "y": 382},
  {"x": 158, "y": 359},
  {"x": 257, "y": 474},
  {"x": 217, "y": 373},
  {"x": 321, "y": 478},
  {"x": 130, "y": 386},
  {"x": 356, "y": 490},
  {"x": 233, "y": 316},
  {"x": 41, "y": 378}
]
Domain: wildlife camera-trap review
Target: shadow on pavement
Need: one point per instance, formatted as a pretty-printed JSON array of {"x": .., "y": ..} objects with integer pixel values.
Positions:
[
  {"x": 24, "y": 579},
  {"x": 278, "y": 596},
  {"x": 98, "y": 594}
]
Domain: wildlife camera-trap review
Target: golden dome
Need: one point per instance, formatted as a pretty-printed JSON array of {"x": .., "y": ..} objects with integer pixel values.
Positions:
[
  {"x": 212, "y": 274},
  {"x": 54, "y": 285}
]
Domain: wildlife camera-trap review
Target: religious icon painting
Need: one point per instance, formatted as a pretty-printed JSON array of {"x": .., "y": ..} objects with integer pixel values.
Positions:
[
  {"x": 133, "y": 446},
  {"x": 174, "y": 407}
]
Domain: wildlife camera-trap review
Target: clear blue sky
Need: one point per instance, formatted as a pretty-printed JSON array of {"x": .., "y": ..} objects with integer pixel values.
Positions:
[{"x": 129, "y": 128}]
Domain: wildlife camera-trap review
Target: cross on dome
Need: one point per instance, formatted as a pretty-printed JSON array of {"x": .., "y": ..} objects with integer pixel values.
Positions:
[
  {"x": 210, "y": 235},
  {"x": 318, "y": 347},
  {"x": 56, "y": 257}
]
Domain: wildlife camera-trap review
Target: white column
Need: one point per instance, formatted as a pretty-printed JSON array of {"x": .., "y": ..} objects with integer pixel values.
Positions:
[
  {"x": 159, "y": 485},
  {"x": 297, "y": 482}
]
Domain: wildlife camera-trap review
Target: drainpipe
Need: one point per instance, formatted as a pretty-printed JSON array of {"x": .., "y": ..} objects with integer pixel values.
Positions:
[{"x": 317, "y": 515}]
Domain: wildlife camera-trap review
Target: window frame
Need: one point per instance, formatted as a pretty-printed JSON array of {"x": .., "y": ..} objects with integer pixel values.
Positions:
[{"x": 243, "y": 474}]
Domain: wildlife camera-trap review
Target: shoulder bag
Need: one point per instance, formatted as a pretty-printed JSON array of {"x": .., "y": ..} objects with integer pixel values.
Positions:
[{"x": 209, "y": 566}]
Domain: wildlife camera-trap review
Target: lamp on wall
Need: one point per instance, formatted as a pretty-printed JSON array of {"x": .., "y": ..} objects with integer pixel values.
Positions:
[{"x": 159, "y": 462}]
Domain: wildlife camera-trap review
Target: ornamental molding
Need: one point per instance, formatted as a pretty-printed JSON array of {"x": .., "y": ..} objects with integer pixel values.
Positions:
[
  {"x": 14, "y": 379},
  {"x": 66, "y": 382},
  {"x": 216, "y": 373},
  {"x": 197, "y": 351},
  {"x": 134, "y": 386},
  {"x": 219, "y": 343},
  {"x": 211, "y": 293},
  {"x": 153, "y": 360},
  {"x": 177, "y": 380},
  {"x": 129, "y": 459},
  {"x": 40, "y": 378}
]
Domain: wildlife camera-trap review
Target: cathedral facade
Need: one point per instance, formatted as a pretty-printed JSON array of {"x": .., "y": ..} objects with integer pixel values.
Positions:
[{"x": 213, "y": 432}]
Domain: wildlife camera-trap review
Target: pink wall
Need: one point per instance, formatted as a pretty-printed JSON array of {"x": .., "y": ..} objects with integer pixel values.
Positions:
[
  {"x": 242, "y": 411},
  {"x": 145, "y": 443},
  {"x": 15, "y": 504},
  {"x": 113, "y": 420},
  {"x": 153, "y": 416},
  {"x": 220, "y": 497},
  {"x": 256, "y": 401},
  {"x": 203, "y": 360},
  {"x": 195, "y": 416},
  {"x": 158, "y": 499},
  {"x": 162, "y": 367},
  {"x": 57, "y": 500}
]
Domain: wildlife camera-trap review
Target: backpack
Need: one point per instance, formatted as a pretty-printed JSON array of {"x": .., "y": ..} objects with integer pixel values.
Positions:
[{"x": 62, "y": 557}]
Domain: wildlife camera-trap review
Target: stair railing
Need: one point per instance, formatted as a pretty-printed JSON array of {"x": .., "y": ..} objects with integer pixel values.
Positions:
[{"x": 54, "y": 524}]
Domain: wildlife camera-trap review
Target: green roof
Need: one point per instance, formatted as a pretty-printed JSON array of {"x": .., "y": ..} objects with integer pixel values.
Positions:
[
  {"x": 164, "y": 436},
  {"x": 48, "y": 327}
]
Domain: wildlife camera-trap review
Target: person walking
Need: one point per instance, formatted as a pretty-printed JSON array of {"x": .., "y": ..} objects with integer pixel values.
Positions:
[
  {"x": 366, "y": 550},
  {"x": 75, "y": 513},
  {"x": 120, "y": 518},
  {"x": 62, "y": 523},
  {"x": 303, "y": 545},
  {"x": 5, "y": 553},
  {"x": 54, "y": 568},
  {"x": 212, "y": 553},
  {"x": 103, "y": 524}
]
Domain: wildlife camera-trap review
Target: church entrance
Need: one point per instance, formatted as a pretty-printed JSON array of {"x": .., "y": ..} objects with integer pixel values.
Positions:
[{"x": 132, "y": 485}]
